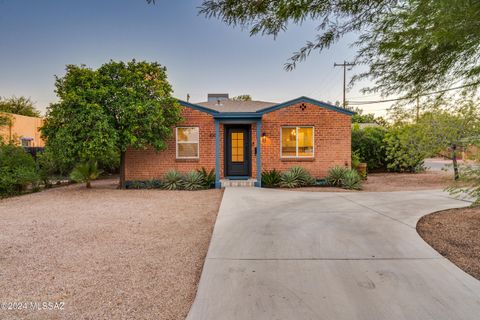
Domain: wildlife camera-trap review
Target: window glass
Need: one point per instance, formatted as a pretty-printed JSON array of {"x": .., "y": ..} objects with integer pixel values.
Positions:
[
  {"x": 289, "y": 141},
  {"x": 237, "y": 147},
  {"x": 305, "y": 142},
  {"x": 187, "y": 142},
  {"x": 297, "y": 141}
]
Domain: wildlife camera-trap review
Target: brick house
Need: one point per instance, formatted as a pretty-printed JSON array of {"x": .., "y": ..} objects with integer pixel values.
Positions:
[{"x": 239, "y": 139}]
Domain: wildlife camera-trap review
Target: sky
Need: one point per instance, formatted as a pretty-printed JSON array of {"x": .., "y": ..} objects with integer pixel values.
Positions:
[{"x": 39, "y": 38}]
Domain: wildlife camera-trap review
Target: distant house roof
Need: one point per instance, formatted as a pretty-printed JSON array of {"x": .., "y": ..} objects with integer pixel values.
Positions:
[
  {"x": 236, "y": 106},
  {"x": 232, "y": 108}
]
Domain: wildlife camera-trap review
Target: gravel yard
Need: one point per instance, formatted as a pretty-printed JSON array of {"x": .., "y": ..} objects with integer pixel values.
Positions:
[
  {"x": 105, "y": 253},
  {"x": 455, "y": 234}
]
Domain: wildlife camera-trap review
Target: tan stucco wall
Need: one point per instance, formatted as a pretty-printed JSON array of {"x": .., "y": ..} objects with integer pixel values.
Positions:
[{"x": 23, "y": 127}]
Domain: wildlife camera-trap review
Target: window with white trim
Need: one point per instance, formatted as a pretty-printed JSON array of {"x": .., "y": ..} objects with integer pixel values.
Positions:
[
  {"x": 297, "y": 142},
  {"x": 187, "y": 142}
]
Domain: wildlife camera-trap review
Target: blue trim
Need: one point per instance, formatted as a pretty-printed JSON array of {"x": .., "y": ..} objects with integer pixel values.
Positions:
[
  {"x": 238, "y": 116},
  {"x": 237, "y": 177},
  {"x": 306, "y": 100},
  {"x": 217, "y": 154},
  {"x": 197, "y": 107},
  {"x": 259, "y": 154}
]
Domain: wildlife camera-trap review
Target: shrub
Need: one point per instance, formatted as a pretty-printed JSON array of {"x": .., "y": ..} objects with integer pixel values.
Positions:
[
  {"x": 370, "y": 146},
  {"x": 336, "y": 175},
  {"x": 296, "y": 177},
  {"x": 17, "y": 170},
  {"x": 404, "y": 151},
  {"x": 85, "y": 172},
  {"x": 173, "y": 180},
  {"x": 356, "y": 159},
  {"x": 289, "y": 180},
  {"x": 193, "y": 180},
  {"x": 208, "y": 177},
  {"x": 271, "y": 178},
  {"x": 352, "y": 180}
]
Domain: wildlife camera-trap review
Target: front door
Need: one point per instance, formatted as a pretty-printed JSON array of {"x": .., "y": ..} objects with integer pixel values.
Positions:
[{"x": 237, "y": 146}]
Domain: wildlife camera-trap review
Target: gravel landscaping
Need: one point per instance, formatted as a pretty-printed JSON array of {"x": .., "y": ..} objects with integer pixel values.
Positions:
[
  {"x": 104, "y": 253},
  {"x": 455, "y": 234}
]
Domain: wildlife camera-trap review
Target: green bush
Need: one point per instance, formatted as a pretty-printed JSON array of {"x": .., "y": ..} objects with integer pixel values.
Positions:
[
  {"x": 193, "y": 180},
  {"x": 404, "y": 151},
  {"x": 352, "y": 180},
  {"x": 336, "y": 175},
  {"x": 208, "y": 177},
  {"x": 173, "y": 180},
  {"x": 85, "y": 172},
  {"x": 289, "y": 180},
  {"x": 369, "y": 144},
  {"x": 296, "y": 177},
  {"x": 17, "y": 170},
  {"x": 271, "y": 178}
]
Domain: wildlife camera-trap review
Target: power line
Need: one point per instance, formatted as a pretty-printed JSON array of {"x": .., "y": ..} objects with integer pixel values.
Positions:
[
  {"x": 345, "y": 64},
  {"x": 409, "y": 98}
]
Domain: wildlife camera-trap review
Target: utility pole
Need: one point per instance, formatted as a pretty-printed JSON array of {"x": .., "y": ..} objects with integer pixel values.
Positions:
[{"x": 345, "y": 64}]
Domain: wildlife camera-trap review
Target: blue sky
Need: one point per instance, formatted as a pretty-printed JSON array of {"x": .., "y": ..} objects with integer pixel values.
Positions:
[{"x": 38, "y": 38}]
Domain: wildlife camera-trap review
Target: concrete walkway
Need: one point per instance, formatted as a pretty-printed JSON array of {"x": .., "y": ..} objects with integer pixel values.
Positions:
[{"x": 302, "y": 255}]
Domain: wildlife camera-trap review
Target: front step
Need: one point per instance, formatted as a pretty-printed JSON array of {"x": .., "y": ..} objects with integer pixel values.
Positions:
[{"x": 227, "y": 183}]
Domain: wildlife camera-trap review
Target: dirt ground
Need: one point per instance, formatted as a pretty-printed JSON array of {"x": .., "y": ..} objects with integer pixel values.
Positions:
[
  {"x": 396, "y": 182},
  {"x": 104, "y": 253},
  {"x": 455, "y": 234}
]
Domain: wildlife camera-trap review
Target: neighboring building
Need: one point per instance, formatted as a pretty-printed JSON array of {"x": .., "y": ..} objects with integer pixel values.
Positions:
[
  {"x": 224, "y": 135},
  {"x": 23, "y": 130}
]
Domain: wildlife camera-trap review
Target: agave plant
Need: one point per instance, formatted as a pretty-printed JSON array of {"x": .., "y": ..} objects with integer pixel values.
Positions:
[
  {"x": 271, "y": 178},
  {"x": 173, "y": 180},
  {"x": 208, "y": 177},
  {"x": 289, "y": 180},
  {"x": 352, "y": 180},
  {"x": 193, "y": 180},
  {"x": 303, "y": 176},
  {"x": 85, "y": 172},
  {"x": 336, "y": 175}
]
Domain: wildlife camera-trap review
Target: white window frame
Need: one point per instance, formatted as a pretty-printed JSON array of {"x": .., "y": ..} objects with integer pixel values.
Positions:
[
  {"x": 185, "y": 142},
  {"x": 296, "y": 142}
]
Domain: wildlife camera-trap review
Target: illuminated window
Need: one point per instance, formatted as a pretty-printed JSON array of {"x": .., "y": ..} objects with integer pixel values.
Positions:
[
  {"x": 237, "y": 147},
  {"x": 187, "y": 143},
  {"x": 297, "y": 142}
]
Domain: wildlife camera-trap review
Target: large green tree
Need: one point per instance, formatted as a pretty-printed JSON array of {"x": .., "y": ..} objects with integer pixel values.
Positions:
[
  {"x": 409, "y": 46},
  {"x": 19, "y": 105},
  {"x": 103, "y": 112}
]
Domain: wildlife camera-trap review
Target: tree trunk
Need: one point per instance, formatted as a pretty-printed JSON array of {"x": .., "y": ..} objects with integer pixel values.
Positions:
[
  {"x": 122, "y": 170},
  {"x": 89, "y": 185},
  {"x": 454, "y": 160}
]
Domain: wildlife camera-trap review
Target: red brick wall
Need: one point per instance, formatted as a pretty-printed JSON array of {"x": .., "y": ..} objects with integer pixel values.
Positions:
[
  {"x": 332, "y": 138},
  {"x": 332, "y": 144},
  {"x": 149, "y": 164}
]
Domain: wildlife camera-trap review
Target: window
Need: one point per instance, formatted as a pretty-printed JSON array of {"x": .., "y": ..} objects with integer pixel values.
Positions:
[
  {"x": 297, "y": 142},
  {"x": 187, "y": 143},
  {"x": 237, "y": 147}
]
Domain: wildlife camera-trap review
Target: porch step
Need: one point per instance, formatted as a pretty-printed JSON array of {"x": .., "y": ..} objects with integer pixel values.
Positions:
[{"x": 227, "y": 183}]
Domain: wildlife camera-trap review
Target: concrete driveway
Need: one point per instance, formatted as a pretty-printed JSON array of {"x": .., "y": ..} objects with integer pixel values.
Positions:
[{"x": 298, "y": 255}]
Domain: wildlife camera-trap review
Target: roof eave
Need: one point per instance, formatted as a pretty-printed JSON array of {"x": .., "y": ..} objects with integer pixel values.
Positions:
[{"x": 306, "y": 100}]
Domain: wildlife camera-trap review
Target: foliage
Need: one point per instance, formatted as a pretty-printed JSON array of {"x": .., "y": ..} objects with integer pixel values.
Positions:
[
  {"x": 352, "y": 180},
  {"x": 271, "y": 178},
  {"x": 296, "y": 177},
  {"x": 289, "y": 180},
  {"x": 368, "y": 143},
  {"x": 17, "y": 170},
  {"x": 173, "y": 180},
  {"x": 335, "y": 176},
  {"x": 405, "y": 151},
  {"x": 85, "y": 172},
  {"x": 21, "y": 105},
  {"x": 208, "y": 177},
  {"x": 396, "y": 39},
  {"x": 468, "y": 184},
  {"x": 243, "y": 97},
  {"x": 193, "y": 180},
  {"x": 360, "y": 117},
  {"x": 356, "y": 159},
  {"x": 46, "y": 168},
  {"x": 103, "y": 112}
]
